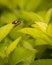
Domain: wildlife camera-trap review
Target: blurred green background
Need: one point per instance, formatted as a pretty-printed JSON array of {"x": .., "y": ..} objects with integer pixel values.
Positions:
[
  {"x": 11, "y": 9},
  {"x": 27, "y": 11}
]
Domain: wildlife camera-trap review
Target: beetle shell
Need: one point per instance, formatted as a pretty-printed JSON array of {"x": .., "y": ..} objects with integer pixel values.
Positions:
[{"x": 15, "y": 21}]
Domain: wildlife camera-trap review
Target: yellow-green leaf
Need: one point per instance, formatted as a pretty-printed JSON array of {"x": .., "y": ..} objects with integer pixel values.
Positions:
[
  {"x": 7, "y": 17},
  {"x": 48, "y": 16},
  {"x": 31, "y": 16},
  {"x": 21, "y": 54},
  {"x": 12, "y": 46},
  {"x": 27, "y": 45},
  {"x": 43, "y": 62},
  {"x": 36, "y": 33},
  {"x": 49, "y": 29},
  {"x": 41, "y": 25},
  {"x": 39, "y": 42},
  {"x": 4, "y": 31}
]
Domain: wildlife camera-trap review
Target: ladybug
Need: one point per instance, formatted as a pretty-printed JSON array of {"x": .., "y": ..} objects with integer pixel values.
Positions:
[{"x": 15, "y": 22}]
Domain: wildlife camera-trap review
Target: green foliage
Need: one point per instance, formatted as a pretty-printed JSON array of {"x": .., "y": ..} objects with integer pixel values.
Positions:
[
  {"x": 48, "y": 16},
  {"x": 8, "y": 17},
  {"x": 49, "y": 30},
  {"x": 30, "y": 41},
  {"x": 43, "y": 62},
  {"x": 20, "y": 54},
  {"x": 12, "y": 46},
  {"x": 5, "y": 30}
]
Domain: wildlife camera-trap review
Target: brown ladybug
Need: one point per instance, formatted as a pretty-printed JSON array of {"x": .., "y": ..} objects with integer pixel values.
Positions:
[{"x": 15, "y": 22}]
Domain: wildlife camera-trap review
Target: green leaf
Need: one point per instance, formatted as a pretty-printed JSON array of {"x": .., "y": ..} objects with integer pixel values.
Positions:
[
  {"x": 20, "y": 54},
  {"x": 3, "y": 46},
  {"x": 14, "y": 33},
  {"x": 46, "y": 29},
  {"x": 30, "y": 16},
  {"x": 43, "y": 62},
  {"x": 28, "y": 61},
  {"x": 40, "y": 25},
  {"x": 49, "y": 30},
  {"x": 23, "y": 63},
  {"x": 41, "y": 13},
  {"x": 12, "y": 46},
  {"x": 39, "y": 42},
  {"x": 48, "y": 16},
  {"x": 4, "y": 31},
  {"x": 8, "y": 17},
  {"x": 27, "y": 45},
  {"x": 31, "y": 31},
  {"x": 36, "y": 33}
]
